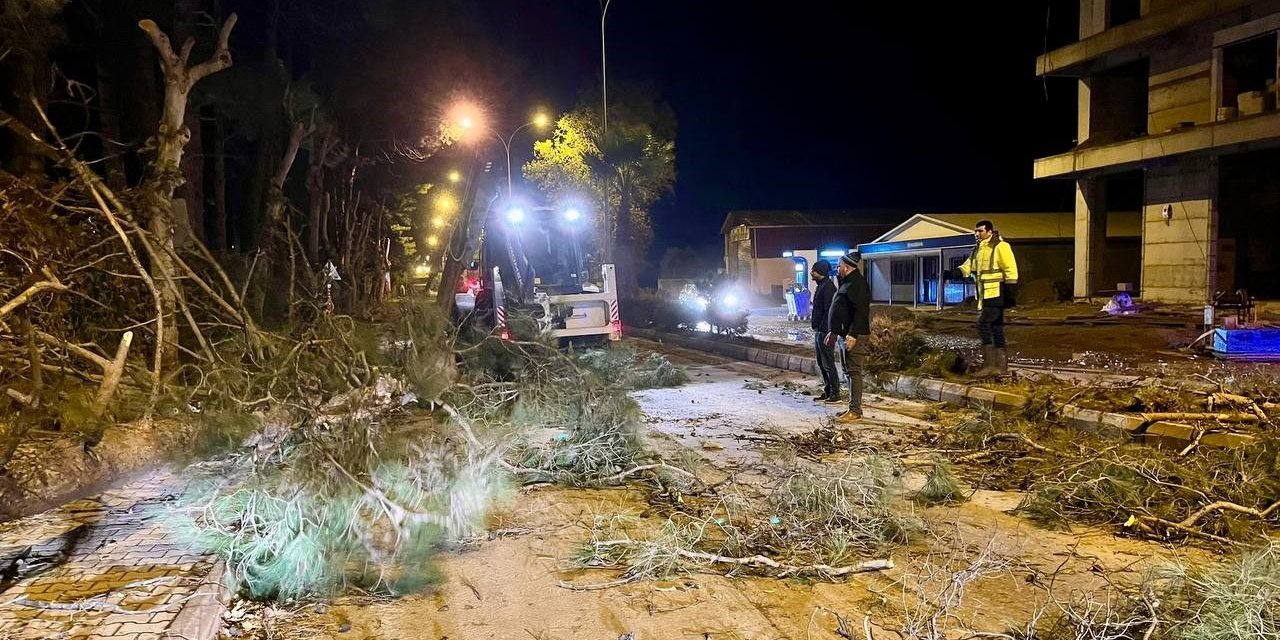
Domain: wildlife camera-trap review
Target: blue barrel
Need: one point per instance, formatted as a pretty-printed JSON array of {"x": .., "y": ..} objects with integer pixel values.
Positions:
[{"x": 802, "y": 303}]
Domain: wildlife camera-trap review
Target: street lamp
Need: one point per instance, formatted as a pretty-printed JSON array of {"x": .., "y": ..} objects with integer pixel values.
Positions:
[
  {"x": 465, "y": 116},
  {"x": 455, "y": 176},
  {"x": 445, "y": 203},
  {"x": 515, "y": 215},
  {"x": 604, "y": 72},
  {"x": 540, "y": 120}
]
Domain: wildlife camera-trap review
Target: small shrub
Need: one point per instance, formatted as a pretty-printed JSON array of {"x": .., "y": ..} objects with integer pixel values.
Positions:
[{"x": 896, "y": 344}]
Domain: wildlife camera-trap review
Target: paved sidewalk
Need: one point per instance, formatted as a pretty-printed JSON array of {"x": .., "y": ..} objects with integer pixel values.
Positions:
[{"x": 107, "y": 567}]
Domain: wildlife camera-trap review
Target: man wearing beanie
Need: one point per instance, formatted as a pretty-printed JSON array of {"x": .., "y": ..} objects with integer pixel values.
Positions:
[
  {"x": 823, "y": 292},
  {"x": 848, "y": 326}
]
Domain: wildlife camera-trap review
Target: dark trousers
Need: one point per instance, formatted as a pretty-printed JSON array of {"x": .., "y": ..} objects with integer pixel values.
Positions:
[
  {"x": 991, "y": 326},
  {"x": 854, "y": 361},
  {"x": 826, "y": 365}
]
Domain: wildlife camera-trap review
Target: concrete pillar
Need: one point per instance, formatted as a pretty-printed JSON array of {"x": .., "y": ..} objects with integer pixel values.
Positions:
[
  {"x": 1179, "y": 256},
  {"x": 1091, "y": 234},
  {"x": 1084, "y": 110},
  {"x": 942, "y": 284}
]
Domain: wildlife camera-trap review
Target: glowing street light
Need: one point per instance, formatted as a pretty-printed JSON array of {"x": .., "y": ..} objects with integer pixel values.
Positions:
[
  {"x": 437, "y": 221},
  {"x": 464, "y": 120},
  {"x": 572, "y": 214},
  {"x": 515, "y": 215},
  {"x": 466, "y": 116},
  {"x": 455, "y": 176},
  {"x": 432, "y": 240},
  {"x": 445, "y": 203}
]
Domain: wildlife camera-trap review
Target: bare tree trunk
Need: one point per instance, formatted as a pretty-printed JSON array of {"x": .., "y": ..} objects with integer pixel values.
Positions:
[
  {"x": 455, "y": 248},
  {"x": 326, "y": 215},
  {"x": 218, "y": 232},
  {"x": 317, "y": 209},
  {"x": 166, "y": 175},
  {"x": 275, "y": 196}
]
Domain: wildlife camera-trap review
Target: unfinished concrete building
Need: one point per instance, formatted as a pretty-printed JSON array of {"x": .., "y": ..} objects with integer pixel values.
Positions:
[{"x": 1177, "y": 115}]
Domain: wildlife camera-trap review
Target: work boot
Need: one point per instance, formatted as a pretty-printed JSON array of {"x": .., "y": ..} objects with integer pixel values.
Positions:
[
  {"x": 848, "y": 417},
  {"x": 989, "y": 359},
  {"x": 1002, "y": 362}
]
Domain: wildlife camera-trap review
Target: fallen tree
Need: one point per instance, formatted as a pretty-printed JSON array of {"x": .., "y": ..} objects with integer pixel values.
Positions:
[{"x": 1220, "y": 495}]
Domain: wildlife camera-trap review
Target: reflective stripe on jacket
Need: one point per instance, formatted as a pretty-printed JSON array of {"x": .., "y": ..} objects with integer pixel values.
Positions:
[{"x": 990, "y": 265}]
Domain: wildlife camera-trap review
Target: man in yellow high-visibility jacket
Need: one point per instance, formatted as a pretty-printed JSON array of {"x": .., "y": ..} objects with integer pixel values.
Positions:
[{"x": 995, "y": 274}]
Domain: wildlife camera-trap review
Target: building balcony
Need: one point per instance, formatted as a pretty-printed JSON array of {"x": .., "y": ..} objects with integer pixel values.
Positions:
[
  {"x": 1232, "y": 136},
  {"x": 1119, "y": 45}
]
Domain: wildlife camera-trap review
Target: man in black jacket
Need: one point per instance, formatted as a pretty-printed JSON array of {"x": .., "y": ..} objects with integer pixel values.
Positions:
[
  {"x": 849, "y": 325},
  {"x": 824, "y": 290}
]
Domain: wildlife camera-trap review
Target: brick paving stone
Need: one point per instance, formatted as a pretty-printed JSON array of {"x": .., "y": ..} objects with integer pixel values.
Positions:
[
  {"x": 148, "y": 627},
  {"x": 123, "y": 556},
  {"x": 164, "y": 617},
  {"x": 107, "y": 629}
]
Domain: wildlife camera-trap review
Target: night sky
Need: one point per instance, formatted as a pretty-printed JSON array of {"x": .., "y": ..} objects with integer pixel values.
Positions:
[{"x": 819, "y": 105}]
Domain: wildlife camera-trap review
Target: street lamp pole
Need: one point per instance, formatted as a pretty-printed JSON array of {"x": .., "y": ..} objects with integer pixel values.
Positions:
[
  {"x": 604, "y": 74},
  {"x": 506, "y": 145}
]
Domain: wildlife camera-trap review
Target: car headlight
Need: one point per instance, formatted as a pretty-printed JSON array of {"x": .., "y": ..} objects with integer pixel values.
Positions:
[{"x": 730, "y": 301}]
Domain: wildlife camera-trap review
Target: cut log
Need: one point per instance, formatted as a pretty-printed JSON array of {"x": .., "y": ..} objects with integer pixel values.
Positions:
[
  {"x": 111, "y": 375},
  {"x": 1219, "y": 417}
]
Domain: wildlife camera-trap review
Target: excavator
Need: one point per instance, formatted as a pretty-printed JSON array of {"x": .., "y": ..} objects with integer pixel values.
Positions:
[{"x": 537, "y": 260}]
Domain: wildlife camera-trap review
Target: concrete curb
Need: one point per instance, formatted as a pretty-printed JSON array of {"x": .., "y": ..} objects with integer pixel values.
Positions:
[
  {"x": 1101, "y": 422},
  {"x": 758, "y": 355},
  {"x": 965, "y": 395},
  {"x": 201, "y": 616}
]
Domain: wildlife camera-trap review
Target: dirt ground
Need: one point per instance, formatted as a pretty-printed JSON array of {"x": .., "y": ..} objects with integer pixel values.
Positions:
[
  {"x": 514, "y": 583},
  {"x": 49, "y": 468},
  {"x": 1051, "y": 337}
]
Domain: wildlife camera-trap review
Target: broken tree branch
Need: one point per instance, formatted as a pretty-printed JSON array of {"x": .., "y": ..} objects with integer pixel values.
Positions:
[
  {"x": 111, "y": 375},
  {"x": 177, "y": 63},
  {"x": 1220, "y": 417},
  {"x": 757, "y": 561},
  {"x": 51, "y": 283}
]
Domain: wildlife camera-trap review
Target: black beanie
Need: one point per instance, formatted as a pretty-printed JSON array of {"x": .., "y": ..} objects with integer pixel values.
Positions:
[
  {"x": 822, "y": 268},
  {"x": 851, "y": 258}
]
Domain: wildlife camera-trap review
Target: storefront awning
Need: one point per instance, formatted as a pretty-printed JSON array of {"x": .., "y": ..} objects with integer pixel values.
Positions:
[{"x": 948, "y": 242}]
